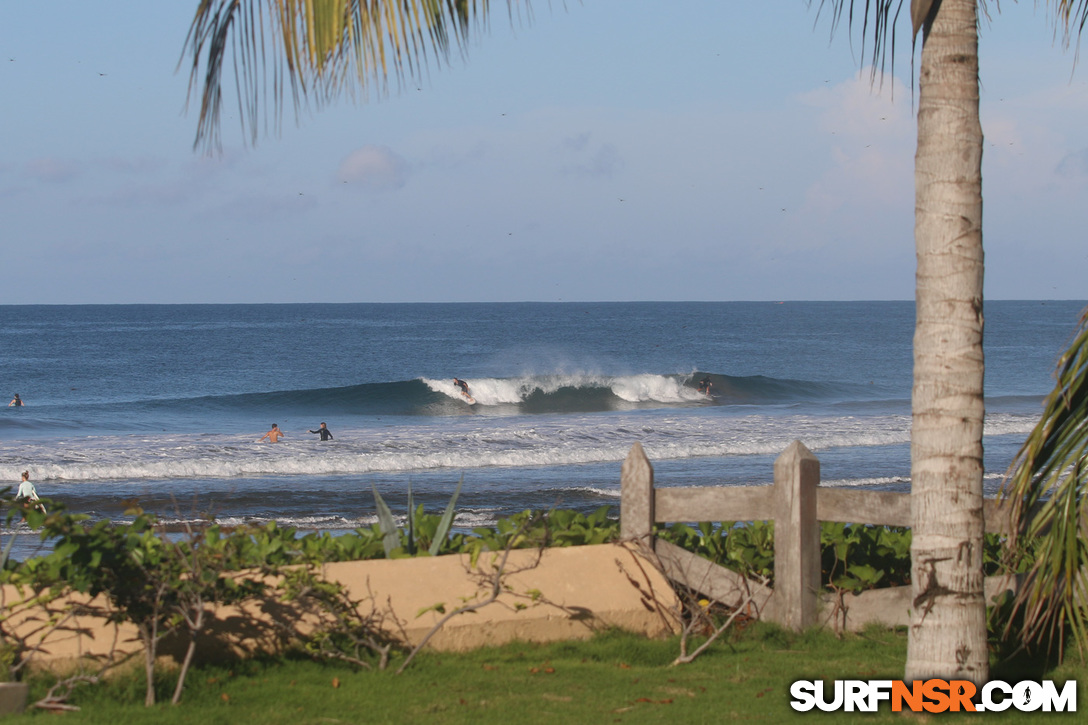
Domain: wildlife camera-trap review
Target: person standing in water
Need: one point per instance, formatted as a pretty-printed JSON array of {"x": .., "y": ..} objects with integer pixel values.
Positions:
[
  {"x": 26, "y": 489},
  {"x": 325, "y": 433},
  {"x": 16, "y": 402},
  {"x": 273, "y": 435},
  {"x": 27, "y": 493}
]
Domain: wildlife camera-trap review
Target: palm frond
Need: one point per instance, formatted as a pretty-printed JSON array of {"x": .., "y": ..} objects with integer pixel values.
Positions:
[
  {"x": 1046, "y": 488},
  {"x": 877, "y": 19},
  {"x": 321, "y": 49},
  {"x": 1069, "y": 14}
]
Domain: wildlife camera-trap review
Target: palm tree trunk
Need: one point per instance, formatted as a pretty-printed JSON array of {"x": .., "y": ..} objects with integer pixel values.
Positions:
[{"x": 948, "y": 619}]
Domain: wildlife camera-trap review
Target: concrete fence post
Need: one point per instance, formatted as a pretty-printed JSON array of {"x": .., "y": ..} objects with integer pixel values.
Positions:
[
  {"x": 796, "y": 538},
  {"x": 637, "y": 497}
]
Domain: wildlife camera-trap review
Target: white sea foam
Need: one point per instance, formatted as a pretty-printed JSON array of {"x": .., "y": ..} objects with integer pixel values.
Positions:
[
  {"x": 866, "y": 482},
  {"x": 486, "y": 391},
  {"x": 598, "y": 491},
  {"x": 467, "y": 520},
  {"x": 1009, "y": 424},
  {"x": 990, "y": 481},
  {"x": 630, "y": 388},
  {"x": 458, "y": 443},
  {"x": 658, "y": 388}
]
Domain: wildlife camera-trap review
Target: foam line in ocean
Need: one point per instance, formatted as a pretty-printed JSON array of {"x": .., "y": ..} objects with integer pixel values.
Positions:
[{"x": 457, "y": 444}]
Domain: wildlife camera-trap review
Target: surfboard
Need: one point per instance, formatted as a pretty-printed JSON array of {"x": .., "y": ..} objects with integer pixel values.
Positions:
[{"x": 468, "y": 399}]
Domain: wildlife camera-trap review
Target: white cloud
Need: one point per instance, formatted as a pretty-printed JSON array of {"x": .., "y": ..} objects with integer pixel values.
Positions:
[
  {"x": 374, "y": 168},
  {"x": 859, "y": 108},
  {"x": 868, "y": 178}
]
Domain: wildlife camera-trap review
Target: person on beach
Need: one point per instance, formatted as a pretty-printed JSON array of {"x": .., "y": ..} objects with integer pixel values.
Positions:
[
  {"x": 325, "y": 433},
  {"x": 705, "y": 385},
  {"x": 273, "y": 435},
  {"x": 16, "y": 402},
  {"x": 462, "y": 385}
]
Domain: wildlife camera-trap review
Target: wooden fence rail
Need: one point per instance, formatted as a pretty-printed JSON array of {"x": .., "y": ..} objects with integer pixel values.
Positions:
[{"x": 796, "y": 504}]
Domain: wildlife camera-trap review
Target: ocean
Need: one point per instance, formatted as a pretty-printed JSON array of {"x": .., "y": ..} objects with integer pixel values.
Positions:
[{"x": 164, "y": 404}]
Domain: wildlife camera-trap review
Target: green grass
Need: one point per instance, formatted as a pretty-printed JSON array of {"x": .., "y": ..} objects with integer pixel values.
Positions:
[{"x": 615, "y": 677}]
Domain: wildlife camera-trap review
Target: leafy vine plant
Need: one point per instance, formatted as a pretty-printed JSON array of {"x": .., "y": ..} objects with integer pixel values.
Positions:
[{"x": 22, "y": 621}]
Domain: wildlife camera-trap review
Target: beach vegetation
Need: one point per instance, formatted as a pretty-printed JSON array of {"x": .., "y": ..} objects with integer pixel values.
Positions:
[
  {"x": 161, "y": 585},
  {"x": 854, "y": 557},
  {"x": 167, "y": 585},
  {"x": 21, "y": 599},
  {"x": 348, "y": 630},
  {"x": 554, "y": 527},
  {"x": 422, "y": 532},
  {"x": 1048, "y": 489},
  {"x": 131, "y": 566},
  {"x": 747, "y": 549},
  {"x": 612, "y": 677},
  {"x": 491, "y": 582}
]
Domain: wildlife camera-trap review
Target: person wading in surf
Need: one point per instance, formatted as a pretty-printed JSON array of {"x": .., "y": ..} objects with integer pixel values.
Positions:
[
  {"x": 27, "y": 494},
  {"x": 325, "y": 433},
  {"x": 273, "y": 435}
]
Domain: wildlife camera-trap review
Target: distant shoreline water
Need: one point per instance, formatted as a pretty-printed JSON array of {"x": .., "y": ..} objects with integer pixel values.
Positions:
[{"x": 164, "y": 404}]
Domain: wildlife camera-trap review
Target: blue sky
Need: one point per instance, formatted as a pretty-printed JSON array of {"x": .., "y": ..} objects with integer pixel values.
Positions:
[{"x": 608, "y": 150}]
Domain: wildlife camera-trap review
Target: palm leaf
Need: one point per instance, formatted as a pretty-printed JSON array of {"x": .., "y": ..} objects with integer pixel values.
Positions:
[
  {"x": 322, "y": 49},
  {"x": 1049, "y": 509}
]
